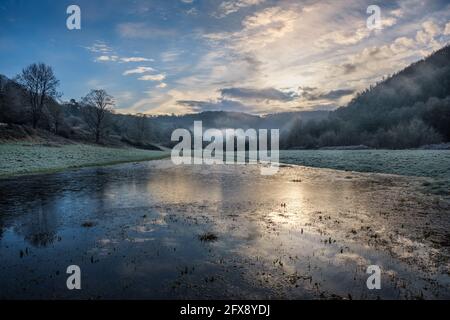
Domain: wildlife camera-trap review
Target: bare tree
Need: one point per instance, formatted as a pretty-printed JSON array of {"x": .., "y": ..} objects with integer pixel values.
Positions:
[
  {"x": 40, "y": 84},
  {"x": 97, "y": 106}
]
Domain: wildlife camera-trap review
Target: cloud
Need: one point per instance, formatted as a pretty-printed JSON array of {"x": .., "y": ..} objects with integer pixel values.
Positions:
[
  {"x": 156, "y": 102},
  {"x": 311, "y": 94},
  {"x": 108, "y": 54},
  {"x": 106, "y": 58},
  {"x": 345, "y": 37},
  {"x": 428, "y": 32},
  {"x": 135, "y": 59},
  {"x": 123, "y": 97},
  {"x": 374, "y": 62},
  {"x": 348, "y": 68},
  {"x": 263, "y": 54},
  {"x": 170, "y": 56},
  {"x": 447, "y": 29},
  {"x": 268, "y": 25},
  {"x": 221, "y": 104},
  {"x": 109, "y": 58},
  {"x": 323, "y": 44},
  {"x": 187, "y": 1},
  {"x": 359, "y": 32},
  {"x": 138, "y": 70},
  {"x": 153, "y": 77},
  {"x": 231, "y": 6},
  {"x": 258, "y": 94},
  {"x": 336, "y": 94},
  {"x": 192, "y": 12},
  {"x": 99, "y": 47}
]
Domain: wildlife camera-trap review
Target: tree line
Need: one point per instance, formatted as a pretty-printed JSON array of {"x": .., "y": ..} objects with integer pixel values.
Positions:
[{"x": 32, "y": 98}]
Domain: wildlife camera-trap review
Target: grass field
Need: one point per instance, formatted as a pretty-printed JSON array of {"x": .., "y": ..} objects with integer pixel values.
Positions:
[
  {"x": 23, "y": 158},
  {"x": 434, "y": 164}
]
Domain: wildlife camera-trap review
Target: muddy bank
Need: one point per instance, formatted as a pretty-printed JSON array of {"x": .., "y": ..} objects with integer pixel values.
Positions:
[{"x": 152, "y": 230}]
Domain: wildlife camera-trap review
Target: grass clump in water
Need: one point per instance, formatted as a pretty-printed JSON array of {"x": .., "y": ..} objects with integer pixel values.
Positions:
[
  {"x": 87, "y": 224},
  {"x": 207, "y": 237}
]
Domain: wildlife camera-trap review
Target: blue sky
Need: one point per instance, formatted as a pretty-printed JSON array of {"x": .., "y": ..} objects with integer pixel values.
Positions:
[{"x": 184, "y": 56}]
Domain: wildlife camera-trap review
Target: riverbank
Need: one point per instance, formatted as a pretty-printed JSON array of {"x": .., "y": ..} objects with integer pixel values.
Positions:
[{"x": 21, "y": 158}]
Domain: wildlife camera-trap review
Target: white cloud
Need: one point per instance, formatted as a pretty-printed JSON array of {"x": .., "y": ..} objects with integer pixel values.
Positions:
[
  {"x": 138, "y": 70},
  {"x": 170, "y": 56},
  {"x": 192, "y": 12},
  {"x": 106, "y": 58},
  {"x": 153, "y": 77},
  {"x": 123, "y": 97},
  {"x": 428, "y": 32},
  {"x": 107, "y": 54},
  {"x": 398, "y": 13},
  {"x": 402, "y": 44},
  {"x": 231, "y": 6},
  {"x": 447, "y": 29},
  {"x": 286, "y": 45},
  {"x": 135, "y": 59},
  {"x": 99, "y": 47},
  {"x": 323, "y": 44},
  {"x": 346, "y": 37}
]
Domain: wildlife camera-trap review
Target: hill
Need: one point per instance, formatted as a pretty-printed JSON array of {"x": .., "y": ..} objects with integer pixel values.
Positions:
[{"x": 409, "y": 109}]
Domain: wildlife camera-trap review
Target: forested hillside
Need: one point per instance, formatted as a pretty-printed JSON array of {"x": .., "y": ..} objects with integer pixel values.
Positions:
[{"x": 408, "y": 109}]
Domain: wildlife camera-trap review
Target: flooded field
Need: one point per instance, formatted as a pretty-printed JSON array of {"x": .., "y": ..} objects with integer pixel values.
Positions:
[
  {"x": 434, "y": 164},
  {"x": 152, "y": 231}
]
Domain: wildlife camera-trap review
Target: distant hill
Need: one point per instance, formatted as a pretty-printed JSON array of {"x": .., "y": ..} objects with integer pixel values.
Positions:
[
  {"x": 226, "y": 119},
  {"x": 409, "y": 109},
  {"x": 284, "y": 121}
]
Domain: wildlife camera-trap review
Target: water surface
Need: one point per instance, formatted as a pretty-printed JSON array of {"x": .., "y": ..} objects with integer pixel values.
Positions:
[{"x": 134, "y": 231}]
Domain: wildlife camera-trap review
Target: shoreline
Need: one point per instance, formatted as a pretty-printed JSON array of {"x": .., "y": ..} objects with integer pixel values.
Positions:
[
  {"x": 22, "y": 158},
  {"x": 34, "y": 159}
]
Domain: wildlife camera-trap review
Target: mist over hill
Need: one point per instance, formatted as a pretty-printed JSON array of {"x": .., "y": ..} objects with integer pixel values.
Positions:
[
  {"x": 163, "y": 126},
  {"x": 408, "y": 109}
]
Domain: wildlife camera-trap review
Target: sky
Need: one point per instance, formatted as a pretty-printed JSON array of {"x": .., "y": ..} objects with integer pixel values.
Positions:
[{"x": 186, "y": 56}]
